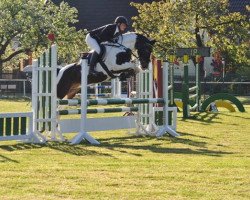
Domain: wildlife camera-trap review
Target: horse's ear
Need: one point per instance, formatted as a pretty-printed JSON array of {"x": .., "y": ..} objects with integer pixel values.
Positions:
[{"x": 152, "y": 42}]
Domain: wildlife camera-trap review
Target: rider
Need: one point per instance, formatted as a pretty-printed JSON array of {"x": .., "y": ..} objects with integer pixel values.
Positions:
[{"x": 103, "y": 34}]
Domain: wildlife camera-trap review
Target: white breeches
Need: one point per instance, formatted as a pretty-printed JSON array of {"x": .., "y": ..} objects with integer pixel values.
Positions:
[{"x": 92, "y": 44}]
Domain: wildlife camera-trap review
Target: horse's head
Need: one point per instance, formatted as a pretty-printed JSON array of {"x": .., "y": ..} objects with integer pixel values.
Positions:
[
  {"x": 144, "y": 48},
  {"x": 142, "y": 44}
]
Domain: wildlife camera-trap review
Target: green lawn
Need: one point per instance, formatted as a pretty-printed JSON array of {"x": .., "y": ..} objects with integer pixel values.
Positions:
[{"x": 209, "y": 161}]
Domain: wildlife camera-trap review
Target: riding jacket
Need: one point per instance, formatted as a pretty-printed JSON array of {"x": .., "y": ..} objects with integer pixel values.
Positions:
[{"x": 105, "y": 33}]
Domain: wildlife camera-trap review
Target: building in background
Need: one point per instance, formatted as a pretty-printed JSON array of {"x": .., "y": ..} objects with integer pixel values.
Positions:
[
  {"x": 96, "y": 13},
  {"x": 239, "y": 6}
]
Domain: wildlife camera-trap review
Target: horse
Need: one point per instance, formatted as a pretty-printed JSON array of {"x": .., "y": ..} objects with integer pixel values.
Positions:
[{"x": 116, "y": 61}]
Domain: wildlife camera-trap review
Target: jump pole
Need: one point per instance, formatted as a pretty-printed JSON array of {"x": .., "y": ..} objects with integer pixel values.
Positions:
[{"x": 83, "y": 134}]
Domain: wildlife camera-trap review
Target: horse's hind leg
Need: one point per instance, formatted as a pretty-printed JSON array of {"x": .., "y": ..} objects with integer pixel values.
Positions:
[
  {"x": 62, "y": 89},
  {"x": 73, "y": 91}
]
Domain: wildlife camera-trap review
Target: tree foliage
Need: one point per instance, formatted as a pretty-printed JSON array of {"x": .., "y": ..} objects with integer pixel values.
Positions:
[
  {"x": 29, "y": 22},
  {"x": 195, "y": 23}
]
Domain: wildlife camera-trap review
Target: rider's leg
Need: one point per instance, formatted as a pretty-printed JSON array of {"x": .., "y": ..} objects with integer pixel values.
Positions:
[
  {"x": 93, "y": 44},
  {"x": 93, "y": 62}
]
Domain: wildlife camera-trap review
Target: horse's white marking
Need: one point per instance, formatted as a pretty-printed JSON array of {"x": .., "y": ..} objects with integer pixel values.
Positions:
[{"x": 59, "y": 76}]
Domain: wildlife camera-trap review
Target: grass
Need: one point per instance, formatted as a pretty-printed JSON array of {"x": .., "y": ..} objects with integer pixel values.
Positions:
[{"x": 209, "y": 161}]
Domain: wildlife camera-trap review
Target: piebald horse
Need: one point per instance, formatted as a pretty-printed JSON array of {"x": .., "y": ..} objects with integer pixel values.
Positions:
[{"x": 117, "y": 57}]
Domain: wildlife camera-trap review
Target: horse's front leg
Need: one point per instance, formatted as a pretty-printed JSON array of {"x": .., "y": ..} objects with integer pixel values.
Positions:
[{"x": 127, "y": 65}]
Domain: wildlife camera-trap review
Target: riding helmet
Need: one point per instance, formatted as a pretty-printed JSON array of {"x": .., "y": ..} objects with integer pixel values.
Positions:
[{"x": 121, "y": 19}]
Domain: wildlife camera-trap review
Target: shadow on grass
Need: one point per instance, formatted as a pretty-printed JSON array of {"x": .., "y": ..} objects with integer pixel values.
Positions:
[
  {"x": 159, "y": 149},
  {"x": 133, "y": 143},
  {"x": 241, "y": 117},
  {"x": 193, "y": 135},
  {"x": 78, "y": 150},
  {"x": 124, "y": 145},
  {"x": 206, "y": 118},
  {"x": 187, "y": 141},
  {"x": 4, "y": 159},
  {"x": 21, "y": 146},
  {"x": 170, "y": 139}
]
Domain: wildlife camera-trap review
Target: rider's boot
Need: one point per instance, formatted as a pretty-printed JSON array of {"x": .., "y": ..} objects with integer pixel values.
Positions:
[{"x": 92, "y": 64}]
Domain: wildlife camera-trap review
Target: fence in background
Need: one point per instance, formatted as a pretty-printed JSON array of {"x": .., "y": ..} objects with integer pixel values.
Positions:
[{"x": 15, "y": 87}]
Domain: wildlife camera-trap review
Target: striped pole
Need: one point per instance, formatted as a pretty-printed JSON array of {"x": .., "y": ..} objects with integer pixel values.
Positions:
[
  {"x": 99, "y": 95},
  {"x": 100, "y": 86},
  {"x": 98, "y": 110},
  {"x": 74, "y": 102}
]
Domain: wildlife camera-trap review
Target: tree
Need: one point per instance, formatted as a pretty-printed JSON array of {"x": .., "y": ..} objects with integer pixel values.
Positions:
[
  {"x": 29, "y": 22},
  {"x": 195, "y": 23}
]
